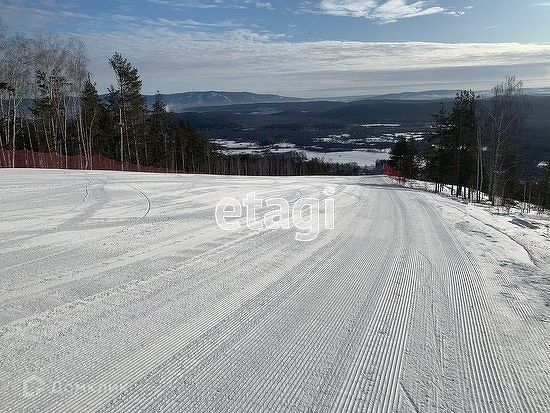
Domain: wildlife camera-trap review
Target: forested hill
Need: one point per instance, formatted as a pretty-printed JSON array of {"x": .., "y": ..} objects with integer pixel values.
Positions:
[{"x": 177, "y": 102}]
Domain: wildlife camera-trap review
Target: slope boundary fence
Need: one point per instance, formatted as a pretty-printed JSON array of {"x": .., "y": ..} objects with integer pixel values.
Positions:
[{"x": 30, "y": 159}]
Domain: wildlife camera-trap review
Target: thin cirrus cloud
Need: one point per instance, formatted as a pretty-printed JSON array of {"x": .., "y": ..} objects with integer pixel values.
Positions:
[
  {"x": 213, "y": 4},
  {"x": 383, "y": 11}
]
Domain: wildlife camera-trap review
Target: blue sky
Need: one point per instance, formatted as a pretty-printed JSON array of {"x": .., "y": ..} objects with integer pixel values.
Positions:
[{"x": 313, "y": 48}]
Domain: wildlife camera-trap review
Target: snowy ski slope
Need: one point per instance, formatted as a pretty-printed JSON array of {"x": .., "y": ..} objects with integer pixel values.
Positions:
[{"x": 118, "y": 292}]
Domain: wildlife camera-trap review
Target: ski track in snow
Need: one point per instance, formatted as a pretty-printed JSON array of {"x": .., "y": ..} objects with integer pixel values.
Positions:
[{"x": 120, "y": 293}]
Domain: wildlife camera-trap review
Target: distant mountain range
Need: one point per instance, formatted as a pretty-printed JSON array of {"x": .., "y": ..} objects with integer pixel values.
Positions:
[
  {"x": 179, "y": 102},
  {"x": 424, "y": 95},
  {"x": 442, "y": 94},
  {"x": 183, "y": 102}
]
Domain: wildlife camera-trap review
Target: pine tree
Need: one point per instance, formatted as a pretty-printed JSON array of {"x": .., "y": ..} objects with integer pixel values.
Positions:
[
  {"x": 436, "y": 168},
  {"x": 158, "y": 142},
  {"x": 463, "y": 123},
  {"x": 128, "y": 105},
  {"x": 404, "y": 158},
  {"x": 91, "y": 110}
]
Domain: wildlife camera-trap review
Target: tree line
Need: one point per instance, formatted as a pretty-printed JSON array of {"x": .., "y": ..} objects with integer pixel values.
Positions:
[
  {"x": 49, "y": 103},
  {"x": 473, "y": 149}
]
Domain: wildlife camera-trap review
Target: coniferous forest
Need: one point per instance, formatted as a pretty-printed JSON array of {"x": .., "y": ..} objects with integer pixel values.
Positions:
[
  {"x": 50, "y": 104},
  {"x": 474, "y": 149}
]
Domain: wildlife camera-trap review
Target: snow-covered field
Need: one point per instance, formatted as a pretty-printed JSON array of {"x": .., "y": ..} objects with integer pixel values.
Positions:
[
  {"x": 359, "y": 156},
  {"x": 119, "y": 292}
]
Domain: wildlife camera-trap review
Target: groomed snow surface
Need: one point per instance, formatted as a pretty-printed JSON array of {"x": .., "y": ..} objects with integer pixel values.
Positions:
[{"x": 119, "y": 292}]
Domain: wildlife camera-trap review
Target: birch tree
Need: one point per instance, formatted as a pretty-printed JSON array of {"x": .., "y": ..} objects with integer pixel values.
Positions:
[
  {"x": 15, "y": 82},
  {"x": 504, "y": 121}
]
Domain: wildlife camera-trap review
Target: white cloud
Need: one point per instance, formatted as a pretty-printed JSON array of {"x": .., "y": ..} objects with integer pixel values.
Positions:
[
  {"x": 264, "y": 5},
  {"x": 21, "y": 17},
  {"x": 189, "y": 23},
  {"x": 33, "y": 19},
  {"x": 210, "y": 4},
  {"x": 383, "y": 11},
  {"x": 263, "y": 62},
  {"x": 178, "y": 55}
]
